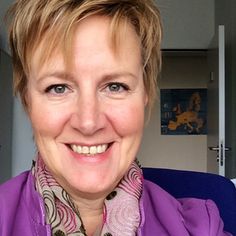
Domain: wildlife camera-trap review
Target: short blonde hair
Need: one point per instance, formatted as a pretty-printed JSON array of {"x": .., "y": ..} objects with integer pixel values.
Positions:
[{"x": 32, "y": 20}]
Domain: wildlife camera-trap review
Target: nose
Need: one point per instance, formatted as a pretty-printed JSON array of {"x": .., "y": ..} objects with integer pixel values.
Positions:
[{"x": 88, "y": 117}]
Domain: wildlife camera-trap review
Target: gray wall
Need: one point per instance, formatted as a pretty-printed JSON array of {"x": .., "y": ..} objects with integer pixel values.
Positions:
[
  {"x": 23, "y": 148},
  {"x": 4, "y": 4},
  {"x": 6, "y": 104},
  {"x": 15, "y": 130},
  {"x": 187, "y": 24}
]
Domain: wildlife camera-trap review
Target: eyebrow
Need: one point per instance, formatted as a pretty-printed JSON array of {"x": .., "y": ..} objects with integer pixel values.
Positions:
[
  {"x": 69, "y": 77},
  {"x": 58, "y": 74},
  {"x": 117, "y": 75}
]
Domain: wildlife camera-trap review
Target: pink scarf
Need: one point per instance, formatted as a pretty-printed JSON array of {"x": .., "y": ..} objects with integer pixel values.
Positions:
[{"x": 121, "y": 207}]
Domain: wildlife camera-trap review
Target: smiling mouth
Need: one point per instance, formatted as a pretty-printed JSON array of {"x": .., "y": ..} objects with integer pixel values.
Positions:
[{"x": 89, "y": 150}]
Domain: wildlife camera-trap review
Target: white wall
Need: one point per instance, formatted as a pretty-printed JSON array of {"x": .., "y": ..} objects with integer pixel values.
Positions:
[{"x": 176, "y": 151}]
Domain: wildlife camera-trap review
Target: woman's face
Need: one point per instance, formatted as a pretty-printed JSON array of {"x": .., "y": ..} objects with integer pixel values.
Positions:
[{"x": 88, "y": 121}]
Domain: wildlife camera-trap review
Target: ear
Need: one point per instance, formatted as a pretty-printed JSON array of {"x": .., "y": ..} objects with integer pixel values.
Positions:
[
  {"x": 146, "y": 99},
  {"x": 26, "y": 102}
]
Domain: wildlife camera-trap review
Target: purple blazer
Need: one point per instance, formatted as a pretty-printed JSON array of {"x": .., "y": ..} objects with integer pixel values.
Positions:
[{"x": 22, "y": 212}]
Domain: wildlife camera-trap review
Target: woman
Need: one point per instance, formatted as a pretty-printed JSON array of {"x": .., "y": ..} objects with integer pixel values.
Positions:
[{"x": 85, "y": 72}]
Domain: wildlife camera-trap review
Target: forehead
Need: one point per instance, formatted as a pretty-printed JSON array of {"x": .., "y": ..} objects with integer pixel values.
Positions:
[
  {"x": 94, "y": 35},
  {"x": 90, "y": 37}
]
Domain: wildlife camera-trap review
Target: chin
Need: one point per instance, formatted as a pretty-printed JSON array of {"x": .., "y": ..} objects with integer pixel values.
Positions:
[{"x": 97, "y": 183}]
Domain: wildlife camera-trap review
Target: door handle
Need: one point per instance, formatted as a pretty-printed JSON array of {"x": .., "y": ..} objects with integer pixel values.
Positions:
[{"x": 216, "y": 149}]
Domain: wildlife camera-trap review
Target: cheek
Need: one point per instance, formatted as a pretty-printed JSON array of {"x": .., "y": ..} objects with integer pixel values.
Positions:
[
  {"x": 48, "y": 122},
  {"x": 127, "y": 119}
]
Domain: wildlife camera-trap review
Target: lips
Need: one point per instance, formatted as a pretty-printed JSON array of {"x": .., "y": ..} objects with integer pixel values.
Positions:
[{"x": 89, "y": 150}]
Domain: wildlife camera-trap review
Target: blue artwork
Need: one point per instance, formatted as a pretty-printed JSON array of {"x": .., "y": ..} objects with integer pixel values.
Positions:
[{"x": 183, "y": 111}]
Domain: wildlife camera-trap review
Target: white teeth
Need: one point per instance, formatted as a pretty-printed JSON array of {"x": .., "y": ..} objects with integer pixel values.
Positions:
[
  {"x": 93, "y": 150},
  {"x": 78, "y": 149},
  {"x": 85, "y": 150},
  {"x": 99, "y": 149}
]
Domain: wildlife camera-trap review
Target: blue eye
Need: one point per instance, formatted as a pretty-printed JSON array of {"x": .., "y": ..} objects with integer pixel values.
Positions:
[
  {"x": 57, "y": 89},
  {"x": 117, "y": 87}
]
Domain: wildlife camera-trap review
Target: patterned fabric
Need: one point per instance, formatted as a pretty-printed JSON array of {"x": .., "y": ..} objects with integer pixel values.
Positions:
[
  {"x": 121, "y": 206},
  {"x": 62, "y": 214}
]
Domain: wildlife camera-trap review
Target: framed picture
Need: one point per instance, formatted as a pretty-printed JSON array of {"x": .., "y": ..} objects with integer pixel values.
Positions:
[{"x": 183, "y": 111}]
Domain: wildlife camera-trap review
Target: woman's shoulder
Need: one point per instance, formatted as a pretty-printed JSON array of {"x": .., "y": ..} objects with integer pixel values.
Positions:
[
  {"x": 11, "y": 193},
  {"x": 187, "y": 216},
  {"x": 21, "y": 208},
  {"x": 12, "y": 186},
  {"x": 161, "y": 198}
]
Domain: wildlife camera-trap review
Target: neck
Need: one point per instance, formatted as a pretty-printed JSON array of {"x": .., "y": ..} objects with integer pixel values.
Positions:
[{"x": 91, "y": 213}]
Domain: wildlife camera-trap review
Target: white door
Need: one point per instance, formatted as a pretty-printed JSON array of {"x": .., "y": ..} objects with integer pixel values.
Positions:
[{"x": 216, "y": 104}]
